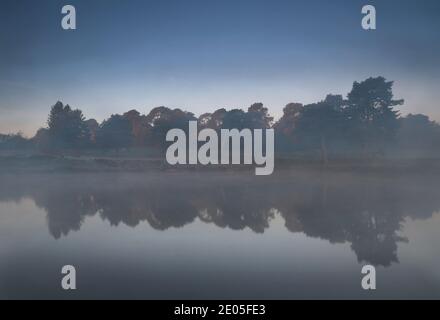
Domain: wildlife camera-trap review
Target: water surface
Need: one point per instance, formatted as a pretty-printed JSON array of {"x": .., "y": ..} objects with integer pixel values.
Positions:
[{"x": 219, "y": 235}]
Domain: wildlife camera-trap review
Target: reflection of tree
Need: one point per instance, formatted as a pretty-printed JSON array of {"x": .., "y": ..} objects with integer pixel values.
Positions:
[
  {"x": 65, "y": 211},
  {"x": 236, "y": 208},
  {"x": 373, "y": 237},
  {"x": 359, "y": 212},
  {"x": 170, "y": 208},
  {"x": 367, "y": 213},
  {"x": 129, "y": 208}
]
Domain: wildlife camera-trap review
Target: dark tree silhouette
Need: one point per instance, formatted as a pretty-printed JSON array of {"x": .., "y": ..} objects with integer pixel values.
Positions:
[
  {"x": 321, "y": 124},
  {"x": 362, "y": 126},
  {"x": 285, "y": 137},
  {"x": 258, "y": 117},
  {"x": 93, "y": 127},
  {"x": 67, "y": 128},
  {"x": 42, "y": 140},
  {"x": 115, "y": 133},
  {"x": 163, "y": 119},
  {"x": 212, "y": 120},
  {"x": 373, "y": 121},
  {"x": 418, "y": 136},
  {"x": 235, "y": 119},
  {"x": 140, "y": 127},
  {"x": 14, "y": 142}
]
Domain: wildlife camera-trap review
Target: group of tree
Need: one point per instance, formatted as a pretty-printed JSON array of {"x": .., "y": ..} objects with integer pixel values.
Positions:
[
  {"x": 14, "y": 142},
  {"x": 365, "y": 123},
  {"x": 67, "y": 129}
]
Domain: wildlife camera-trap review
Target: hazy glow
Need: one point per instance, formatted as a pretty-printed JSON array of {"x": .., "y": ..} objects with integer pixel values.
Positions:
[{"x": 201, "y": 55}]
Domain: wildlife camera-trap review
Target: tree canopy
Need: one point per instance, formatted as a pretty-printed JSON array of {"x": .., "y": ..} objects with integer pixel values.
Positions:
[{"x": 365, "y": 123}]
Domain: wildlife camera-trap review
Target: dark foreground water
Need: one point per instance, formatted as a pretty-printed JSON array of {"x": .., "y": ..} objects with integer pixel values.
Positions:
[{"x": 219, "y": 235}]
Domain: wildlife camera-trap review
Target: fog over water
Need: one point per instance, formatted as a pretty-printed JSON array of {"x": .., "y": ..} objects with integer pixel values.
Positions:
[{"x": 296, "y": 234}]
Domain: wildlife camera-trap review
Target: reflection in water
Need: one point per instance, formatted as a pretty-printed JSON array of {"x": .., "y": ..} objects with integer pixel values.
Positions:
[{"x": 366, "y": 212}]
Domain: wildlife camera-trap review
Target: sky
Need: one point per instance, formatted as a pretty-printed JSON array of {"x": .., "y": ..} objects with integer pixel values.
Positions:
[{"x": 203, "y": 55}]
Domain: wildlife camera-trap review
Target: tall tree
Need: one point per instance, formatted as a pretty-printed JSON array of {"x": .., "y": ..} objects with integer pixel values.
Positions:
[
  {"x": 67, "y": 127},
  {"x": 370, "y": 110}
]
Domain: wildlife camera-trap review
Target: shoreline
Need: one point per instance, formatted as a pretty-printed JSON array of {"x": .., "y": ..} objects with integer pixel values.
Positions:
[{"x": 90, "y": 164}]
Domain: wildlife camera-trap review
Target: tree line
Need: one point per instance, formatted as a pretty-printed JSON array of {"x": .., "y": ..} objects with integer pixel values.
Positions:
[{"x": 366, "y": 123}]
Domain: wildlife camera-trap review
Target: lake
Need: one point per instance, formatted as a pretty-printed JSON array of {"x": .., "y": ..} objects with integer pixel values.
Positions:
[{"x": 219, "y": 235}]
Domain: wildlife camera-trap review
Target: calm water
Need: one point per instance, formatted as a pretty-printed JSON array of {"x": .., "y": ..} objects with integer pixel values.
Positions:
[{"x": 211, "y": 235}]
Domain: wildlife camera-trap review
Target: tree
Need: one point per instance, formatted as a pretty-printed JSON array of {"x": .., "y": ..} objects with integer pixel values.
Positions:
[
  {"x": 370, "y": 111},
  {"x": 258, "y": 117},
  {"x": 162, "y": 119},
  {"x": 67, "y": 127},
  {"x": 235, "y": 119},
  {"x": 93, "y": 127},
  {"x": 14, "y": 142},
  {"x": 42, "y": 140},
  {"x": 320, "y": 124},
  {"x": 140, "y": 127},
  {"x": 212, "y": 120},
  {"x": 115, "y": 133},
  {"x": 418, "y": 134},
  {"x": 285, "y": 127}
]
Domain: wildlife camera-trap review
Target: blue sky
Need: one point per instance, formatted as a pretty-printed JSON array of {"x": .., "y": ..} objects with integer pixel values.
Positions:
[{"x": 202, "y": 55}]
